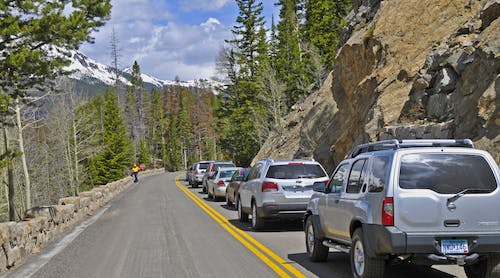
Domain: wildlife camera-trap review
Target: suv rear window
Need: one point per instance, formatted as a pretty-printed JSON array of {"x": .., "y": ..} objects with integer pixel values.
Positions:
[
  {"x": 446, "y": 173},
  {"x": 295, "y": 171},
  {"x": 222, "y": 165},
  {"x": 203, "y": 165}
]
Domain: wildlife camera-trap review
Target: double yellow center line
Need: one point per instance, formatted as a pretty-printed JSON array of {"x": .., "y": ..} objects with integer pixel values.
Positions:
[{"x": 275, "y": 262}]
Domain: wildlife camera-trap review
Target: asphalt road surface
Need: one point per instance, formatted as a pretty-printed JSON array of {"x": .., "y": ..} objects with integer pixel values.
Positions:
[{"x": 160, "y": 228}]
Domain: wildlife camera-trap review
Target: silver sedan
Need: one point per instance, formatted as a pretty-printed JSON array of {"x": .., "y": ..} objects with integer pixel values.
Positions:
[{"x": 217, "y": 184}]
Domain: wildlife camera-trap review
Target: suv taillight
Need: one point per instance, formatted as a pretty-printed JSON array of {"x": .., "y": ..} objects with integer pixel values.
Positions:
[
  {"x": 211, "y": 168},
  {"x": 221, "y": 182},
  {"x": 326, "y": 182},
  {"x": 388, "y": 211},
  {"x": 196, "y": 172},
  {"x": 269, "y": 186}
]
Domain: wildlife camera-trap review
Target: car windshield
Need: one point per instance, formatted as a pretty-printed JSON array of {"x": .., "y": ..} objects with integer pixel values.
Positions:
[
  {"x": 295, "y": 171},
  {"x": 446, "y": 173},
  {"x": 203, "y": 165},
  {"x": 226, "y": 174}
]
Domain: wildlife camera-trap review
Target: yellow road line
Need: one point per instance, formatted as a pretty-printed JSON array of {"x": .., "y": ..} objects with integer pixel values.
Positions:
[{"x": 242, "y": 235}]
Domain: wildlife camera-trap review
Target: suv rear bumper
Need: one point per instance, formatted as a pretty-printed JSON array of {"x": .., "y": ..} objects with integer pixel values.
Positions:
[
  {"x": 273, "y": 210},
  {"x": 390, "y": 240}
]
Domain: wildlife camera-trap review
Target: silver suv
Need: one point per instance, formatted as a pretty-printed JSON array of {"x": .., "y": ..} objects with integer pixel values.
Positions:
[
  {"x": 276, "y": 189},
  {"x": 423, "y": 201}
]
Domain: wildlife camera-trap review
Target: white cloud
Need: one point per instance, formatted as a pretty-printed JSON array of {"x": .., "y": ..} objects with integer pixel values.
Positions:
[
  {"x": 203, "y": 5},
  {"x": 163, "y": 47}
]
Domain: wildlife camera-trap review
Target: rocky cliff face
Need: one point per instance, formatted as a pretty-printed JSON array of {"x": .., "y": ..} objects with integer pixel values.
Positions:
[{"x": 407, "y": 69}]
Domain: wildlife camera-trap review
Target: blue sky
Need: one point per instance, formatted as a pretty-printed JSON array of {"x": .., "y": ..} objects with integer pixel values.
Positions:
[{"x": 169, "y": 37}]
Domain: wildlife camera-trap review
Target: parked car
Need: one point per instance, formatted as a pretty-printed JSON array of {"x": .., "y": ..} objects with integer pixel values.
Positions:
[
  {"x": 278, "y": 189},
  {"x": 422, "y": 201},
  {"x": 218, "y": 181},
  {"x": 234, "y": 185},
  {"x": 199, "y": 169},
  {"x": 214, "y": 165}
]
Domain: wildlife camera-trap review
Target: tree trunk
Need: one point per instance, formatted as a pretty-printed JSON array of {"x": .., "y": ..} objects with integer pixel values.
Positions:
[
  {"x": 10, "y": 181},
  {"x": 27, "y": 182},
  {"x": 75, "y": 157}
]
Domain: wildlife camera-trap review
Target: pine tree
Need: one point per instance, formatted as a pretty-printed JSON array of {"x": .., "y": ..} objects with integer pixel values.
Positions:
[
  {"x": 112, "y": 163},
  {"x": 290, "y": 64},
  {"x": 28, "y": 31},
  {"x": 155, "y": 123},
  {"x": 324, "y": 21},
  {"x": 144, "y": 155}
]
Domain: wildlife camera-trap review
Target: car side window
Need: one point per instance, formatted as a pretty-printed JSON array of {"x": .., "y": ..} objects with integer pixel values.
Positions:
[
  {"x": 355, "y": 182},
  {"x": 378, "y": 177},
  {"x": 336, "y": 184},
  {"x": 253, "y": 172}
]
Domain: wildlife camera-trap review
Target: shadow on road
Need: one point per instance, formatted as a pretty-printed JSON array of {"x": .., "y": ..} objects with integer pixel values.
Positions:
[
  {"x": 338, "y": 265},
  {"x": 275, "y": 226}
]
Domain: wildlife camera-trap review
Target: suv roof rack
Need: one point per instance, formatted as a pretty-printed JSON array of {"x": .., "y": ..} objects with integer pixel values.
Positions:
[{"x": 413, "y": 143}]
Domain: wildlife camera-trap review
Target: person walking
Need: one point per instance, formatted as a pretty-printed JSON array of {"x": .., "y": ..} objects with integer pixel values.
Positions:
[{"x": 135, "y": 172}]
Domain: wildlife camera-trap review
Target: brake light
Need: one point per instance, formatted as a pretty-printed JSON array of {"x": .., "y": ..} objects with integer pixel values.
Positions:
[
  {"x": 221, "y": 182},
  {"x": 388, "y": 211},
  {"x": 326, "y": 182},
  {"x": 196, "y": 172},
  {"x": 269, "y": 186},
  {"x": 211, "y": 168},
  {"x": 294, "y": 163}
]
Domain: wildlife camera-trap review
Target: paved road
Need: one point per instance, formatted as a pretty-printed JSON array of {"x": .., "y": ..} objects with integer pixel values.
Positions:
[{"x": 158, "y": 228}]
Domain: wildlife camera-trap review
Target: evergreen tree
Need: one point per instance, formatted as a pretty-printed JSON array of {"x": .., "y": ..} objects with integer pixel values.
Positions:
[
  {"x": 115, "y": 159},
  {"x": 290, "y": 65},
  {"x": 144, "y": 155},
  {"x": 324, "y": 21},
  {"x": 155, "y": 119}
]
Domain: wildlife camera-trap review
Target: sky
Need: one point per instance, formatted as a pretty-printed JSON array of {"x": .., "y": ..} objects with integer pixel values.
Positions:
[{"x": 169, "y": 38}]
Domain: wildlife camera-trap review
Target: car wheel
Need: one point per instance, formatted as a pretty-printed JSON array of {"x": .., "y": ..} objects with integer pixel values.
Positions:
[
  {"x": 488, "y": 267},
  {"x": 242, "y": 216},
  {"x": 195, "y": 184},
  {"x": 257, "y": 221},
  {"x": 228, "y": 202},
  {"x": 316, "y": 251},
  {"x": 214, "y": 197},
  {"x": 362, "y": 265},
  {"x": 204, "y": 188},
  {"x": 209, "y": 195}
]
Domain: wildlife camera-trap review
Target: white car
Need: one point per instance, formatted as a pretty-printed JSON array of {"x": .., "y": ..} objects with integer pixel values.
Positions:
[
  {"x": 278, "y": 189},
  {"x": 218, "y": 182}
]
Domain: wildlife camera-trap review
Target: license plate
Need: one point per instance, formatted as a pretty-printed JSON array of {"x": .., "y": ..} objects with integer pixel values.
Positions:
[{"x": 454, "y": 246}]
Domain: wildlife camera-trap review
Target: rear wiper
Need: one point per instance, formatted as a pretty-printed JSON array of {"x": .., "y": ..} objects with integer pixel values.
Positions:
[{"x": 465, "y": 191}]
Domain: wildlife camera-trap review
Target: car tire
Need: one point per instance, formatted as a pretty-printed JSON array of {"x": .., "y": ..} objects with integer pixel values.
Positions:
[
  {"x": 195, "y": 184},
  {"x": 316, "y": 251},
  {"x": 204, "y": 188},
  {"x": 242, "y": 215},
  {"x": 228, "y": 202},
  {"x": 362, "y": 265},
  {"x": 257, "y": 221},
  {"x": 214, "y": 197},
  {"x": 488, "y": 267},
  {"x": 208, "y": 192}
]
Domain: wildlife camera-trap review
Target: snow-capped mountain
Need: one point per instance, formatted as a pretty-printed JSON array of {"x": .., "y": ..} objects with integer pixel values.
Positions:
[{"x": 87, "y": 71}]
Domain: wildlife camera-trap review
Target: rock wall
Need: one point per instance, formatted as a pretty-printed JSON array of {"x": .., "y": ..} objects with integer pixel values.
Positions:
[
  {"x": 407, "y": 69},
  {"x": 18, "y": 240}
]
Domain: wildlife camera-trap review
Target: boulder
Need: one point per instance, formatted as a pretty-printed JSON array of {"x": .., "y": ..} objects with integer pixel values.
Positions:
[
  {"x": 88, "y": 194},
  {"x": 446, "y": 81},
  {"x": 70, "y": 200},
  {"x": 490, "y": 12},
  {"x": 47, "y": 211}
]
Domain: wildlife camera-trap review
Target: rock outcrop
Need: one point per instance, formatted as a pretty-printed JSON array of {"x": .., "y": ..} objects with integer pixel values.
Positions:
[{"x": 407, "y": 69}]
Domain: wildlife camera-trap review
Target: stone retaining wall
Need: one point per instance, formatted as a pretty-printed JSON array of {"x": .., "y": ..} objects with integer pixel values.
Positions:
[{"x": 19, "y": 240}]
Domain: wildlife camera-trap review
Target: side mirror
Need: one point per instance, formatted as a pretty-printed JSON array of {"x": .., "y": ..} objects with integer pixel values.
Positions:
[{"x": 319, "y": 186}]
